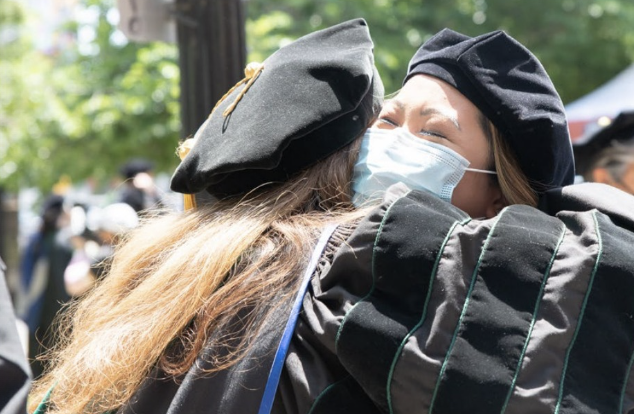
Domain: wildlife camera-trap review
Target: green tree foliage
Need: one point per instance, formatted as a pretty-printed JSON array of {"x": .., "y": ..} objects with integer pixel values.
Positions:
[
  {"x": 83, "y": 112},
  {"x": 582, "y": 43}
]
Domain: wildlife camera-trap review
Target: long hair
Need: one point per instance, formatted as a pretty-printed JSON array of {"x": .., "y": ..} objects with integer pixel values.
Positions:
[
  {"x": 513, "y": 183},
  {"x": 180, "y": 277}
]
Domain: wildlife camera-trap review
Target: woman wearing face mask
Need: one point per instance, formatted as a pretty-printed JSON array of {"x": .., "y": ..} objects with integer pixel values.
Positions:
[
  {"x": 283, "y": 297},
  {"x": 484, "y": 116},
  {"x": 518, "y": 313}
]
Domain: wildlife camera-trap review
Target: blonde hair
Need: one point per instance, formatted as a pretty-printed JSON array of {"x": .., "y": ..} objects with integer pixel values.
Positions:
[
  {"x": 513, "y": 183},
  {"x": 164, "y": 296}
]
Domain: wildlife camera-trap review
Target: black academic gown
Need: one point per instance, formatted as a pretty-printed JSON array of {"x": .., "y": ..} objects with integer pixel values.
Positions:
[
  {"x": 420, "y": 309},
  {"x": 15, "y": 376}
]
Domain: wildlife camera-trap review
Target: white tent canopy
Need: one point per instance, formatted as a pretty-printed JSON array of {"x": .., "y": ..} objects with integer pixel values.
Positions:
[{"x": 609, "y": 100}]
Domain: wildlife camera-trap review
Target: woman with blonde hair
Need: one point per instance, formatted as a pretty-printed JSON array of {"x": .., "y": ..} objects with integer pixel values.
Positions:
[{"x": 397, "y": 269}]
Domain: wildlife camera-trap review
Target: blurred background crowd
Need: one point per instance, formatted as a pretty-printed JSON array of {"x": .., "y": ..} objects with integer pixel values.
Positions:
[{"x": 96, "y": 94}]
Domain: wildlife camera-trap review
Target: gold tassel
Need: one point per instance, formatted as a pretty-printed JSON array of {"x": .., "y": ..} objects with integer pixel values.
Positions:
[
  {"x": 251, "y": 73},
  {"x": 189, "y": 200}
]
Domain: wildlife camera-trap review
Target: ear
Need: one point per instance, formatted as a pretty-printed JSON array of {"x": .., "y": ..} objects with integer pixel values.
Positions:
[
  {"x": 497, "y": 203},
  {"x": 601, "y": 175}
]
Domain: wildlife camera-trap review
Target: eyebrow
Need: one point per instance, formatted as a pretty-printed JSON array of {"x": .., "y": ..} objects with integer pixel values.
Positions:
[
  {"x": 429, "y": 111},
  {"x": 441, "y": 113}
]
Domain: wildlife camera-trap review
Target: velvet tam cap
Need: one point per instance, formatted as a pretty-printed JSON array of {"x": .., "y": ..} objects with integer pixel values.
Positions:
[
  {"x": 508, "y": 84},
  {"x": 312, "y": 97}
]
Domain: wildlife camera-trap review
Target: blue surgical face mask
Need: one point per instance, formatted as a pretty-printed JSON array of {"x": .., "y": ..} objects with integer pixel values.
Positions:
[{"x": 387, "y": 157}]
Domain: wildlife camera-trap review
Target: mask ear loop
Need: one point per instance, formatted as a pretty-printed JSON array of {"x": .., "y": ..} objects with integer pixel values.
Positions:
[{"x": 481, "y": 171}]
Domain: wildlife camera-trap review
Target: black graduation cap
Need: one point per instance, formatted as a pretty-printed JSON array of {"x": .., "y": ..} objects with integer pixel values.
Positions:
[
  {"x": 309, "y": 99},
  {"x": 135, "y": 166},
  {"x": 53, "y": 202},
  {"x": 510, "y": 87},
  {"x": 619, "y": 131}
]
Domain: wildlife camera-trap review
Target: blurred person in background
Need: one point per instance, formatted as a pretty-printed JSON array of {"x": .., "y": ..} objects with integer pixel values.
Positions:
[
  {"x": 45, "y": 257},
  {"x": 93, "y": 250},
  {"x": 607, "y": 155},
  {"x": 139, "y": 189}
]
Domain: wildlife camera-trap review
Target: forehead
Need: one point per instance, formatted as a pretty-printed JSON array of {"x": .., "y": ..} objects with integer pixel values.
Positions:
[
  {"x": 428, "y": 90},
  {"x": 423, "y": 96},
  {"x": 425, "y": 100}
]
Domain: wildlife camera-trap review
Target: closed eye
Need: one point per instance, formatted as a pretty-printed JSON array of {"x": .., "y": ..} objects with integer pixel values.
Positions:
[
  {"x": 432, "y": 134},
  {"x": 385, "y": 121}
]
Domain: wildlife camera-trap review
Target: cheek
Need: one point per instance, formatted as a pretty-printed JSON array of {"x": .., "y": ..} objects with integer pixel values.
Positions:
[{"x": 472, "y": 194}]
